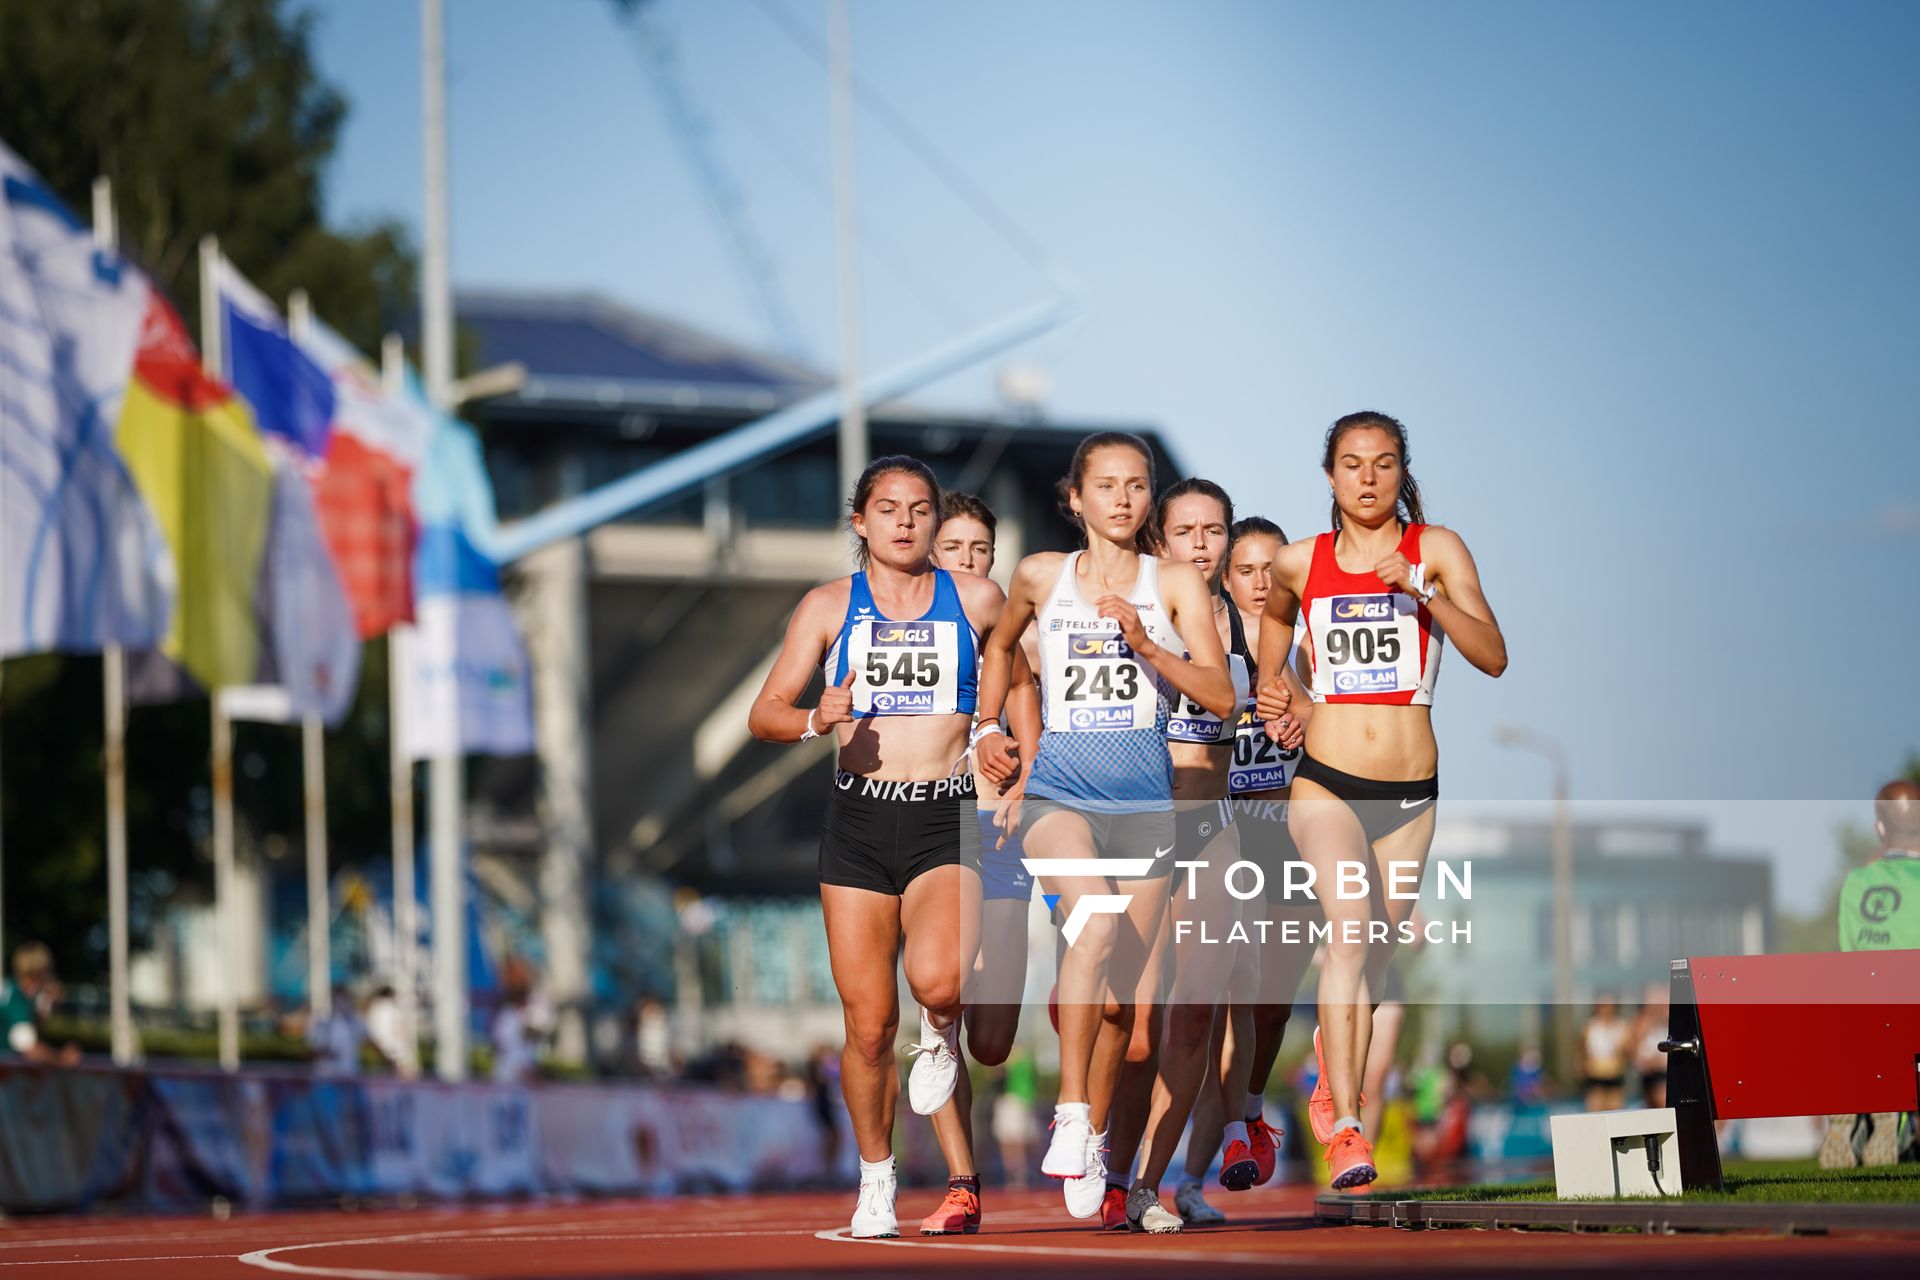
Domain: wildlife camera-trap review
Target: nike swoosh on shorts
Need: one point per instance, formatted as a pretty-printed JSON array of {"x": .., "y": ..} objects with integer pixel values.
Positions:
[
  {"x": 1414, "y": 804},
  {"x": 1161, "y": 853}
]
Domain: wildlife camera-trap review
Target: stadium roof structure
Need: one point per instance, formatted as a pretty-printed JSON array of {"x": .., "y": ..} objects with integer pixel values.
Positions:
[
  {"x": 583, "y": 349},
  {"x": 687, "y": 598}
]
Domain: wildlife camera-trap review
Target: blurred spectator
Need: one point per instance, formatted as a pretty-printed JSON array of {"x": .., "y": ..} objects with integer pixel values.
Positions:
[
  {"x": 653, "y": 1038},
  {"x": 336, "y": 1039},
  {"x": 26, "y": 1001},
  {"x": 1444, "y": 1138},
  {"x": 388, "y": 1036},
  {"x": 1603, "y": 1056},
  {"x": 1649, "y": 1029},
  {"x": 1529, "y": 1082},
  {"x": 823, "y": 1083},
  {"x": 1014, "y": 1128},
  {"x": 1880, "y": 911},
  {"x": 513, "y": 1034}
]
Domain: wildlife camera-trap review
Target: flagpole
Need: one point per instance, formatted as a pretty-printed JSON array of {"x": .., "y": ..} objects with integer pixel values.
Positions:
[
  {"x": 314, "y": 771},
  {"x": 846, "y": 244},
  {"x": 113, "y": 674},
  {"x": 213, "y": 356},
  {"x": 406, "y": 928},
  {"x": 447, "y": 780}
]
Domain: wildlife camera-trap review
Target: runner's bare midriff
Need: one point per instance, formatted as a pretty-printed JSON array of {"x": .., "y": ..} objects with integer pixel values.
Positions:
[
  {"x": 904, "y": 748},
  {"x": 1200, "y": 769},
  {"x": 1371, "y": 740}
]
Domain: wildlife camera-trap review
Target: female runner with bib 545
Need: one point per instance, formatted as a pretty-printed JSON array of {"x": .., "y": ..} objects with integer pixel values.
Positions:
[
  {"x": 1379, "y": 593},
  {"x": 899, "y": 852}
]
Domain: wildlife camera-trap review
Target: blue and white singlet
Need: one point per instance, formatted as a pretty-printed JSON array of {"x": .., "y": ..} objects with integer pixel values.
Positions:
[
  {"x": 1104, "y": 748},
  {"x": 928, "y": 666}
]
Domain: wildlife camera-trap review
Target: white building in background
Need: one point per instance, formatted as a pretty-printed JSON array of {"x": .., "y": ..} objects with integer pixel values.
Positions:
[{"x": 1644, "y": 893}]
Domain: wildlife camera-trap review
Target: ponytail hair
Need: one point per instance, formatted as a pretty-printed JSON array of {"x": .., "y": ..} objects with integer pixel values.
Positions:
[
  {"x": 1146, "y": 539},
  {"x": 1257, "y": 527},
  {"x": 1409, "y": 500},
  {"x": 892, "y": 464}
]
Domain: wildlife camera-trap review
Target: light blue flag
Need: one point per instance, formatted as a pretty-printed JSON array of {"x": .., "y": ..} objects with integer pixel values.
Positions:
[
  {"x": 83, "y": 562},
  {"x": 469, "y": 685}
]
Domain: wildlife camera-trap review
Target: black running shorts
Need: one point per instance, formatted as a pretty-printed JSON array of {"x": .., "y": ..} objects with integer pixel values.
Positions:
[
  {"x": 1264, "y": 839},
  {"x": 879, "y": 835},
  {"x": 1382, "y": 807}
]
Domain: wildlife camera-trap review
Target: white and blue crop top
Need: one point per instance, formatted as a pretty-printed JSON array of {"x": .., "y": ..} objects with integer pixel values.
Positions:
[{"x": 928, "y": 666}]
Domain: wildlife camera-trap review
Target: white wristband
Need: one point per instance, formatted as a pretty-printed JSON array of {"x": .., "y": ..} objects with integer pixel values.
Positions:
[
  {"x": 1417, "y": 580},
  {"x": 982, "y": 729},
  {"x": 810, "y": 732}
]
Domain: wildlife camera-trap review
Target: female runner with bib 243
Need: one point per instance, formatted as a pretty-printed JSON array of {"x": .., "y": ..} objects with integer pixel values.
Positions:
[
  {"x": 1379, "y": 594},
  {"x": 1121, "y": 633},
  {"x": 899, "y": 851}
]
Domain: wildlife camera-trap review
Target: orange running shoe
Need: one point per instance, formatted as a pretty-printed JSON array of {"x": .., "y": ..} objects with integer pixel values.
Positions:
[
  {"x": 1320, "y": 1105},
  {"x": 1350, "y": 1158},
  {"x": 1238, "y": 1169},
  {"x": 1263, "y": 1140},
  {"x": 1113, "y": 1209},
  {"x": 958, "y": 1214}
]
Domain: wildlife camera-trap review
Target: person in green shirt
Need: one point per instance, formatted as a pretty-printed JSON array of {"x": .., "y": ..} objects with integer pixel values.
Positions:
[
  {"x": 1880, "y": 911},
  {"x": 21, "y": 1002}
]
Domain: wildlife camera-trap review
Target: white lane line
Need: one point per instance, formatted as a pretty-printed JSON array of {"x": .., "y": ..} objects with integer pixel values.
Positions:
[
  {"x": 530, "y": 1232},
  {"x": 1066, "y": 1251},
  {"x": 264, "y": 1259},
  {"x": 162, "y": 1257}
]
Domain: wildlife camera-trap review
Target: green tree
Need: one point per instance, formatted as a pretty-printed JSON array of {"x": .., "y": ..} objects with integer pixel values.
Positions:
[{"x": 211, "y": 118}]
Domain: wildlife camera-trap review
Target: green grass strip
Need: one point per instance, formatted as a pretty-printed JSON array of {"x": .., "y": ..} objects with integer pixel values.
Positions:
[{"x": 1747, "y": 1182}]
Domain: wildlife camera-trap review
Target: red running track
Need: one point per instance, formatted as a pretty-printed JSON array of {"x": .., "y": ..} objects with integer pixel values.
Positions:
[{"x": 803, "y": 1235}]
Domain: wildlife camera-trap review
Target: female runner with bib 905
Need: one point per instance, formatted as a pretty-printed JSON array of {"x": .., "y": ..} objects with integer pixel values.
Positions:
[
  {"x": 1116, "y": 627},
  {"x": 1379, "y": 594},
  {"x": 899, "y": 851}
]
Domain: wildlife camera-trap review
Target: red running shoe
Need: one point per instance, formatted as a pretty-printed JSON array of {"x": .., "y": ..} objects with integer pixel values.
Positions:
[
  {"x": 1238, "y": 1169},
  {"x": 1113, "y": 1209},
  {"x": 958, "y": 1214},
  {"x": 1320, "y": 1105},
  {"x": 1263, "y": 1140},
  {"x": 1350, "y": 1158}
]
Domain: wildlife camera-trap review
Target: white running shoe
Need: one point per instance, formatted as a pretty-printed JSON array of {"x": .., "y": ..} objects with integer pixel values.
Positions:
[
  {"x": 1083, "y": 1194},
  {"x": 936, "y": 1066},
  {"x": 1144, "y": 1213},
  {"x": 1190, "y": 1202},
  {"x": 1067, "y": 1150},
  {"x": 873, "y": 1217}
]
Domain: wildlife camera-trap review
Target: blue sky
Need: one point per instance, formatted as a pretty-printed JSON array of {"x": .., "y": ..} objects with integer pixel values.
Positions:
[{"x": 1641, "y": 279}]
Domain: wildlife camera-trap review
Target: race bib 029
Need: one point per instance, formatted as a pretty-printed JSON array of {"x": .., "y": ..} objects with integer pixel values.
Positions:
[{"x": 1259, "y": 763}]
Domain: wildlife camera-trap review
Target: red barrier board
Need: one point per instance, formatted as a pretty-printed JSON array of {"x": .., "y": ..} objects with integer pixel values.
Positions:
[{"x": 1798, "y": 1035}]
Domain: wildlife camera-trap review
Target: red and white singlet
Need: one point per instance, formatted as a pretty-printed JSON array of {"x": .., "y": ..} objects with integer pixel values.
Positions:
[{"x": 1369, "y": 643}]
